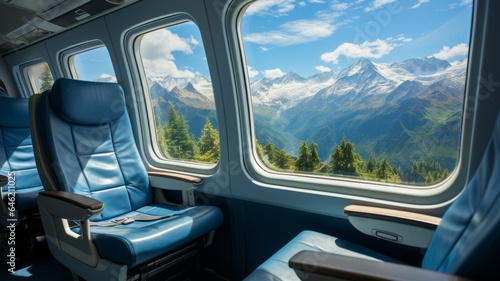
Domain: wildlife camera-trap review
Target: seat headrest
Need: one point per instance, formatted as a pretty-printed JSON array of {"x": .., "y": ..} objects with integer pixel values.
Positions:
[
  {"x": 14, "y": 112},
  {"x": 87, "y": 103}
]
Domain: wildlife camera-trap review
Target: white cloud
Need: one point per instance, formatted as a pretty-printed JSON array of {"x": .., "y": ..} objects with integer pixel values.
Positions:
[
  {"x": 108, "y": 77},
  {"x": 317, "y": 1},
  {"x": 251, "y": 72},
  {"x": 271, "y": 7},
  {"x": 162, "y": 68},
  {"x": 463, "y": 3},
  {"x": 455, "y": 51},
  {"x": 273, "y": 73},
  {"x": 378, "y": 4},
  {"x": 340, "y": 6},
  {"x": 294, "y": 32},
  {"x": 321, "y": 68},
  {"x": 264, "y": 49},
  {"x": 161, "y": 43},
  {"x": 420, "y": 2},
  {"x": 375, "y": 49},
  {"x": 302, "y": 4},
  {"x": 193, "y": 41},
  {"x": 157, "y": 50}
]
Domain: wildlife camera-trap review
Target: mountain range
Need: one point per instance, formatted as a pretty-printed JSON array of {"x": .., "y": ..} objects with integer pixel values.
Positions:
[{"x": 406, "y": 110}]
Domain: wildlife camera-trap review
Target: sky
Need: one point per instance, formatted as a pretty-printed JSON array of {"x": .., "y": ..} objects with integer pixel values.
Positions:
[
  {"x": 313, "y": 36},
  {"x": 309, "y": 37}
]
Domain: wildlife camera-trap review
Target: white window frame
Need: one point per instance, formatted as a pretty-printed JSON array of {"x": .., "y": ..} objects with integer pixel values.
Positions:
[
  {"x": 431, "y": 196},
  {"x": 66, "y": 57},
  {"x": 132, "y": 52}
]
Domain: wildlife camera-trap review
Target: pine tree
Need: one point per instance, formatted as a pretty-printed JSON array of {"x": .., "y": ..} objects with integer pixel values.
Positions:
[
  {"x": 385, "y": 169},
  {"x": 270, "y": 151},
  {"x": 283, "y": 160},
  {"x": 344, "y": 160},
  {"x": 301, "y": 164},
  {"x": 209, "y": 144},
  {"x": 46, "y": 78},
  {"x": 180, "y": 145},
  {"x": 372, "y": 163},
  {"x": 313, "y": 159},
  {"x": 426, "y": 173}
]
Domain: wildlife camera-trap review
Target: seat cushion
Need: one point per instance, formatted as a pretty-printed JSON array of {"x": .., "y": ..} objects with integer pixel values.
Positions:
[
  {"x": 276, "y": 267},
  {"x": 16, "y": 153},
  {"x": 135, "y": 243}
]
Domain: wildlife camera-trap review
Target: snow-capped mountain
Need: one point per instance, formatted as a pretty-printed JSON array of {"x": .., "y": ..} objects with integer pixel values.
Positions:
[
  {"x": 422, "y": 66},
  {"x": 362, "y": 78},
  {"x": 393, "y": 109},
  {"x": 288, "y": 90},
  {"x": 201, "y": 84}
]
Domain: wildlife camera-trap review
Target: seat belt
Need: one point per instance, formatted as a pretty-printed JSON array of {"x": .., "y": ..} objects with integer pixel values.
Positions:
[{"x": 129, "y": 220}]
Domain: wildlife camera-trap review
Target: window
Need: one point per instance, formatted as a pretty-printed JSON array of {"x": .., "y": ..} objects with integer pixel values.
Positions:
[
  {"x": 38, "y": 76},
  {"x": 357, "y": 89},
  {"x": 92, "y": 64},
  {"x": 179, "y": 94}
]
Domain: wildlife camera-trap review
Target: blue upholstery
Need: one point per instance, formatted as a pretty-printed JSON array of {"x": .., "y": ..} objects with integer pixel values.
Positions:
[
  {"x": 89, "y": 141},
  {"x": 276, "y": 267},
  {"x": 466, "y": 242},
  {"x": 16, "y": 152},
  {"x": 467, "y": 239}
]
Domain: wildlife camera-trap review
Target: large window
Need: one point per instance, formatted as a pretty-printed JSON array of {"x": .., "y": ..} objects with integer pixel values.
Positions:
[
  {"x": 369, "y": 90},
  {"x": 38, "y": 76},
  {"x": 179, "y": 94}
]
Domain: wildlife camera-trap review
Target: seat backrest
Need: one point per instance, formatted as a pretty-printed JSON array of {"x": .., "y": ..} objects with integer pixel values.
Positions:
[
  {"x": 16, "y": 152},
  {"x": 85, "y": 145},
  {"x": 467, "y": 240}
]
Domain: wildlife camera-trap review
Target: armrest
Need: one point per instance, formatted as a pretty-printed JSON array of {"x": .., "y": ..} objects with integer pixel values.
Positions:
[
  {"x": 393, "y": 225},
  {"x": 69, "y": 205},
  {"x": 310, "y": 265},
  {"x": 174, "y": 181}
]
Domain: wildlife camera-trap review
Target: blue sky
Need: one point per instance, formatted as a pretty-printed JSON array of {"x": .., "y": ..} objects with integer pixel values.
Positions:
[
  {"x": 94, "y": 64},
  {"x": 309, "y": 37},
  {"x": 313, "y": 36}
]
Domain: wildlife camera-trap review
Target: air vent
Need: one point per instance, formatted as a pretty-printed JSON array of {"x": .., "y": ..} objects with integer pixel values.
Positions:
[{"x": 84, "y": 11}]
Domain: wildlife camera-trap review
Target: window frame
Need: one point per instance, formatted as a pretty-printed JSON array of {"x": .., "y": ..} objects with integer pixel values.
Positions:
[
  {"x": 27, "y": 80},
  {"x": 387, "y": 193},
  {"x": 132, "y": 53},
  {"x": 66, "y": 57}
]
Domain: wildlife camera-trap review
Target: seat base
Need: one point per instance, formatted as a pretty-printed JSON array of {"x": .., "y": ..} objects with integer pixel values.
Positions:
[
  {"x": 178, "y": 264},
  {"x": 28, "y": 234},
  {"x": 276, "y": 267}
]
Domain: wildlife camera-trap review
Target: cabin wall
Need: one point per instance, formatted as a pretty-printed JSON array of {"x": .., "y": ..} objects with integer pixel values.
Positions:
[{"x": 6, "y": 77}]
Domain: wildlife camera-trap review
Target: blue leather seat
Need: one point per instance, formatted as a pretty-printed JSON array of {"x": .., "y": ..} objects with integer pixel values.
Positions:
[
  {"x": 466, "y": 242},
  {"x": 85, "y": 147},
  {"x": 16, "y": 154}
]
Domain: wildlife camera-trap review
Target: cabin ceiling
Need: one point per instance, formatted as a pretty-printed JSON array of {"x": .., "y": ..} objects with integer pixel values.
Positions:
[{"x": 23, "y": 22}]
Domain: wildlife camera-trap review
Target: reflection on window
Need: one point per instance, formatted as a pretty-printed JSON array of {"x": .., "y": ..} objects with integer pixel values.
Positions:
[
  {"x": 358, "y": 89},
  {"x": 39, "y": 77},
  {"x": 180, "y": 93},
  {"x": 92, "y": 65}
]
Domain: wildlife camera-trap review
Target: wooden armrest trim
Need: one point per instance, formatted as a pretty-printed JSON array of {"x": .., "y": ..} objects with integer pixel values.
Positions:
[
  {"x": 190, "y": 179},
  {"x": 321, "y": 265},
  {"x": 409, "y": 218},
  {"x": 75, "y": 199}
]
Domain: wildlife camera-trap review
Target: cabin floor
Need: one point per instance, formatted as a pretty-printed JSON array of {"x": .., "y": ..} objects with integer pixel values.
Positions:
[{"x": 40, "y": 265}]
